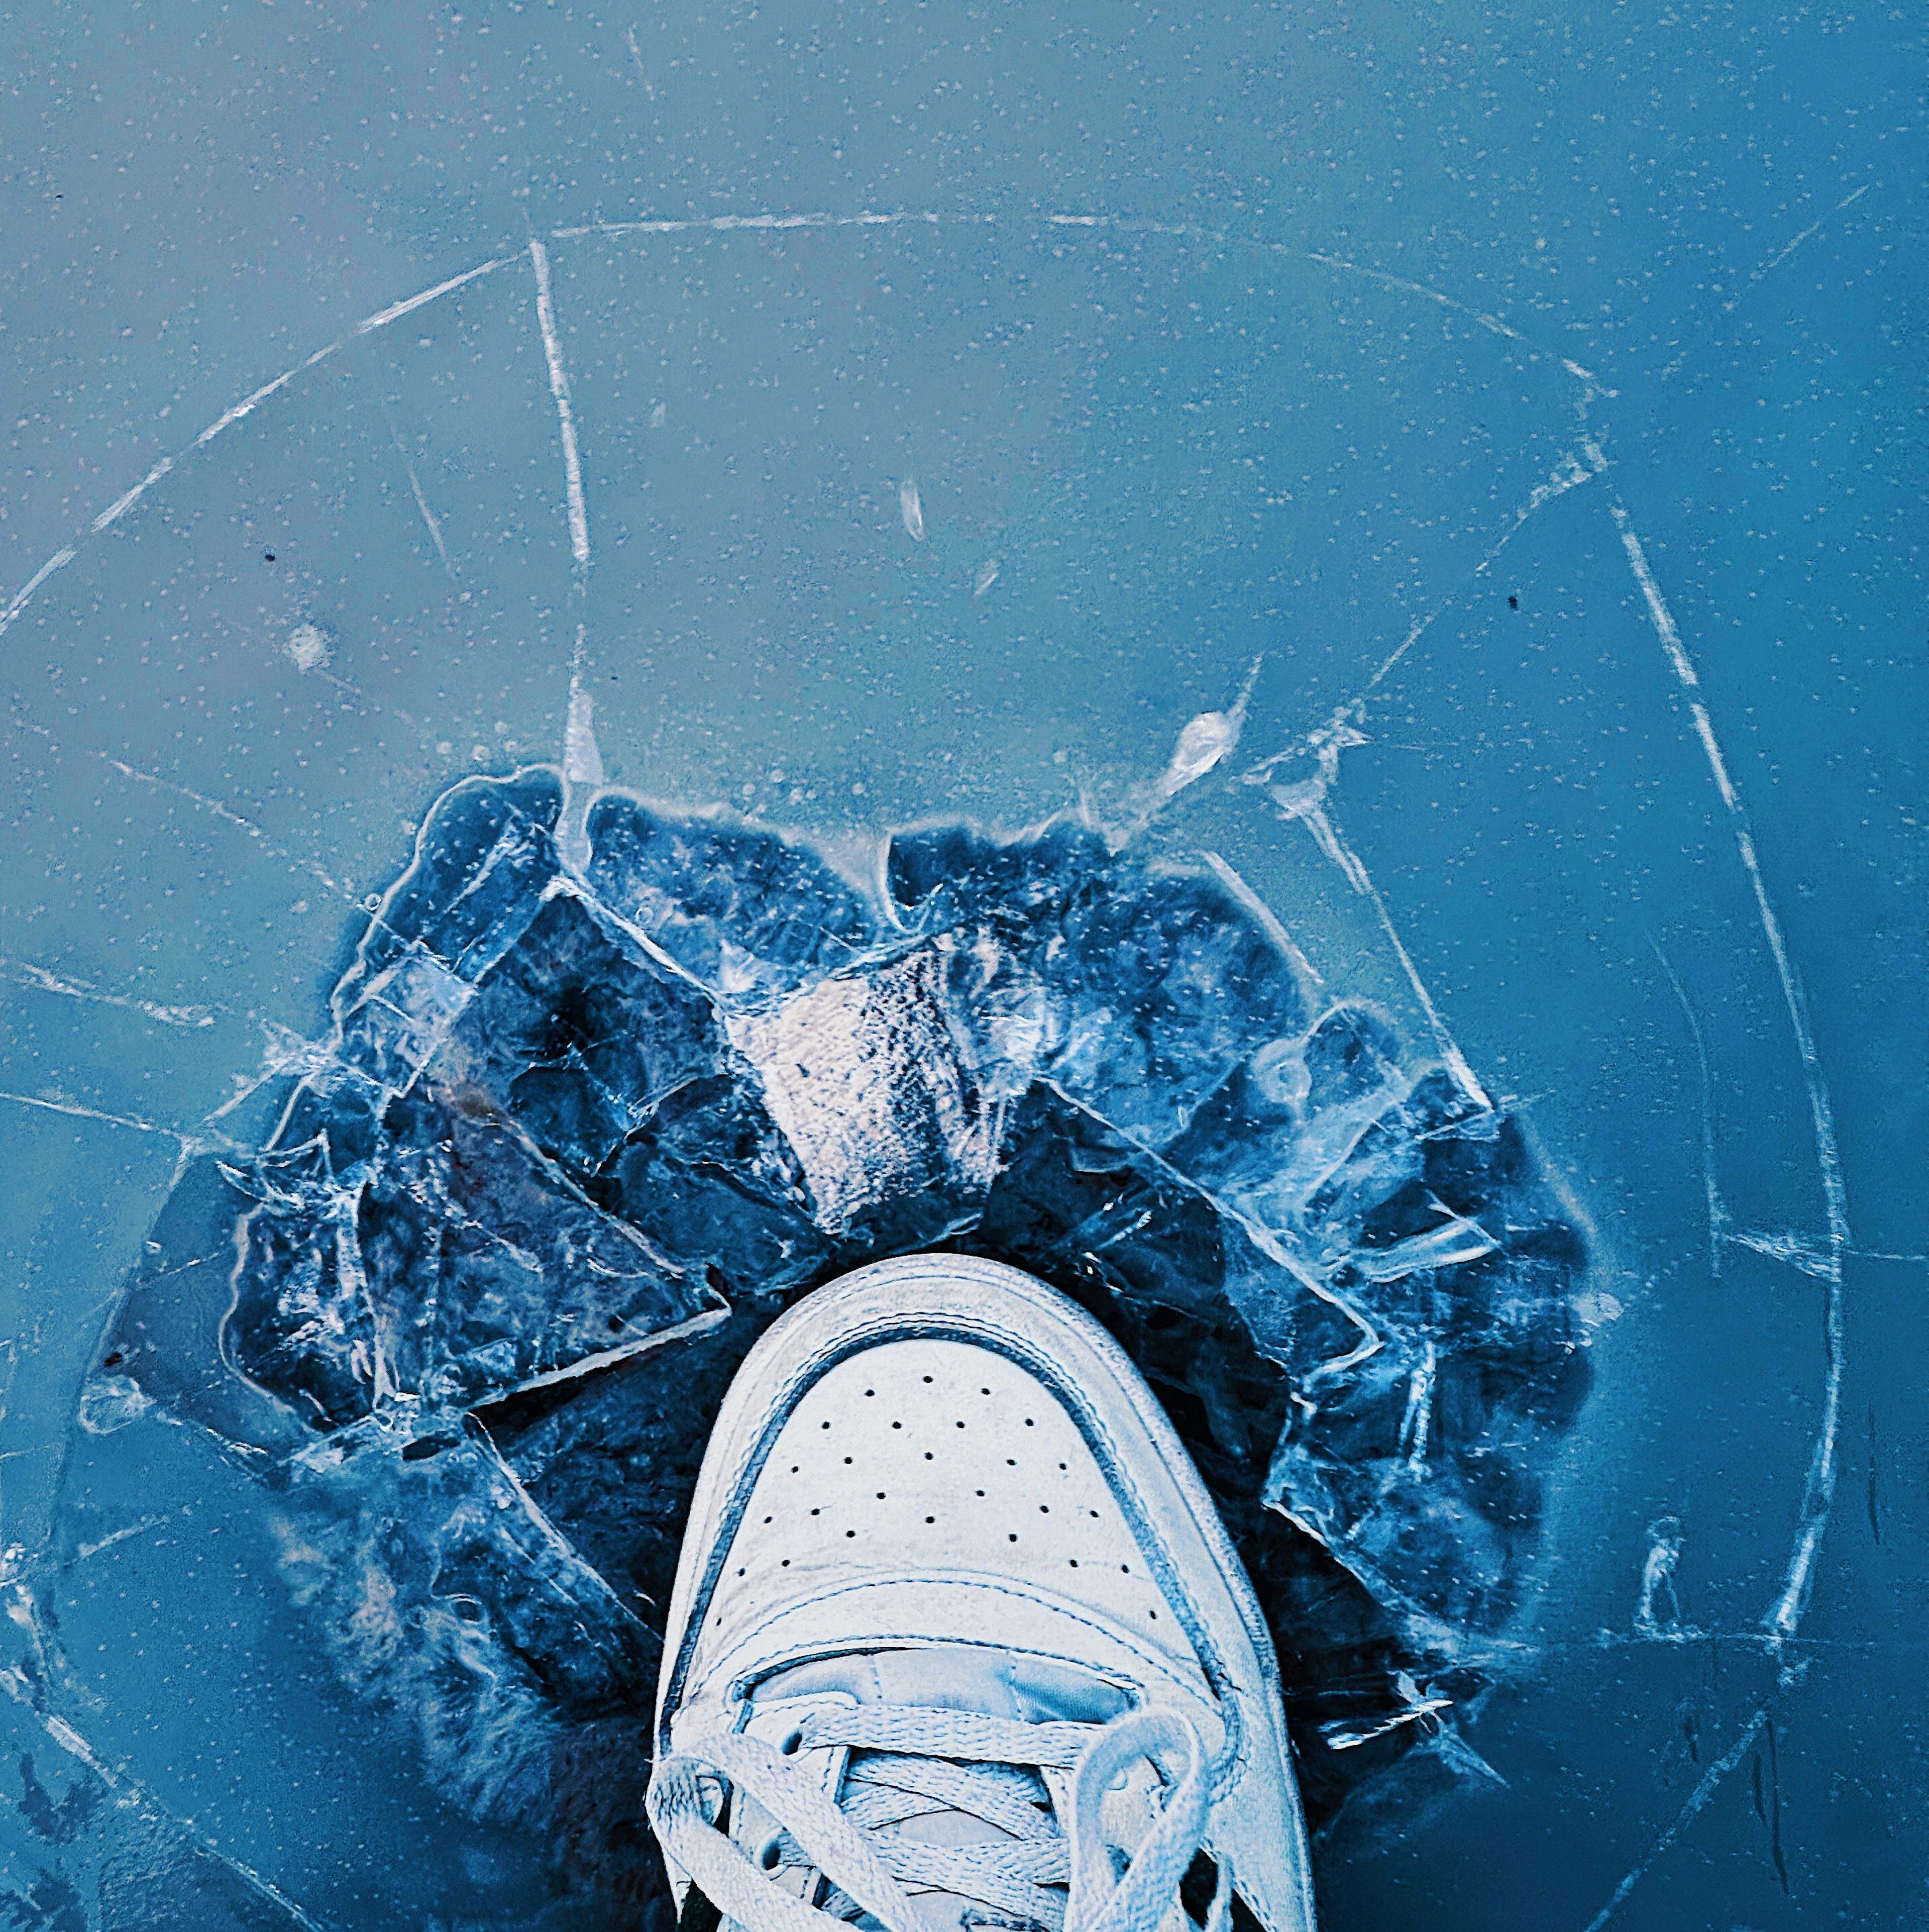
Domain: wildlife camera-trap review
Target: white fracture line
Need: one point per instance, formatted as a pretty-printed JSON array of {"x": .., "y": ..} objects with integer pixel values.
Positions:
[{"x": 572, "y": 465}]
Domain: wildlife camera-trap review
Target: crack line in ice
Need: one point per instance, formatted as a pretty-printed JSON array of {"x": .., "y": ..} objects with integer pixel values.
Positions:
[
  {"x": 1696, "y": 1798},
  {"x": 1759, "y": 275},
  {"x": 121, "y": 1535},
  {"x": 1718, "y": 1214},
  {"x": 777, "y": 223},
  {"x": 1262, "y": 1237},
  {"x": 61, "y": 557},
  {"x": 231, "y": 816},
  {"x": 572, "y": 465},
  {"x": 1307, "y": 801},
  {"x": 227, "y": 418},
  {"x": 25, "y": 973},
  {"x": 1222, "y": 238},
  {"x": 421, "y": 499},
  {"x": 1269, "y": 923},
  {"x": 1815, "y": 227},
  {"x": 250, "y": 403},
  {"x": 1569, "y": 474},
  {"x": 409, "y": 304},
  {"x": 768, "y": 223},
  {"x": 762, "y": 223},
  {"x": 1809, "y": 1256},
  {"x": 1819, "y": 1494},
  {"x": 339, "y": 887},
  {"x": 128, "y": 499},
  {"x": 74, "y": 1110},
  {"x": 1487, "y": 321},
  {"x": 1783, "y": 1619},
  {"x": 131, "y": 1794},
  {"x": 537, "y": 1518}
]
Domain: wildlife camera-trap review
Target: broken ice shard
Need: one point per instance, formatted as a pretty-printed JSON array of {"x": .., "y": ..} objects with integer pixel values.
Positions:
[{"x": 583, "y": 1130}]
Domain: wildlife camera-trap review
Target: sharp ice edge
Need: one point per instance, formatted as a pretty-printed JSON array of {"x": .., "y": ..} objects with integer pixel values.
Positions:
[
  {"x": 1307, "y": 801},
  {"x": 1784, "y": 1616},
  {"x": 1270, "y": 924},
  {"x": 1348, "y": 1734},
  {"x": 1312, "y": 1279},
  {"x": 572, "y": 465},
  {"x": 25, "y": 972},
  {"x": 679, "y": 1331}
]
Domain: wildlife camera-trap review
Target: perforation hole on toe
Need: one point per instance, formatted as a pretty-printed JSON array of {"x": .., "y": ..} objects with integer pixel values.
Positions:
[{"x": 855, "y": 1484}]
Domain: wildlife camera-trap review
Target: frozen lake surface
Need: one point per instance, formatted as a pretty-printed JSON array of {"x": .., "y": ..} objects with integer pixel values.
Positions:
[{"x": 1275, "y": 670}]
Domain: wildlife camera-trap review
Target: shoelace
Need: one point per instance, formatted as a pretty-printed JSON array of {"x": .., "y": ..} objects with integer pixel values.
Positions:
[{"x": 906, "y": 1762}]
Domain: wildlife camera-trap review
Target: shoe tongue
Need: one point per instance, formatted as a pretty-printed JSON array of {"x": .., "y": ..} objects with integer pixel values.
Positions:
[{"x": 957, "y": 1677}]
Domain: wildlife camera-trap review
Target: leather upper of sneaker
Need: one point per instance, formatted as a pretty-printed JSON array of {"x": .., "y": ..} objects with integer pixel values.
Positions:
[
  {"x": 929, "y": 1491},
  {"x": 938, "y": 1486}
]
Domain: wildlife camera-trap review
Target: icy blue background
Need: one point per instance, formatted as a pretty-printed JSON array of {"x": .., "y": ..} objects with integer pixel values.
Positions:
[{"x": 1190, "y": 436}]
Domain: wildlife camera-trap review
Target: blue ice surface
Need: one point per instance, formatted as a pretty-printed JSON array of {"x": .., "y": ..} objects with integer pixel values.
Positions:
[{"x": 1534, "y": 402}]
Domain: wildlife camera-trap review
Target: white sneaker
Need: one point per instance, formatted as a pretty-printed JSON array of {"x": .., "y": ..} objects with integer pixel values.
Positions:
[{"x": 955, "y": 1626}]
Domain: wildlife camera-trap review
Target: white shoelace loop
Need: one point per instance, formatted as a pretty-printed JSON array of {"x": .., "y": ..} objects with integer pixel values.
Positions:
[{"x": 957, "y": 1760}]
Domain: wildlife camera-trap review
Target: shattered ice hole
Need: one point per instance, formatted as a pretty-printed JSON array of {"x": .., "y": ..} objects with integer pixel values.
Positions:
[
  {"x": 309, "y": 648},
  {"x": 912, "y": 509}
]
